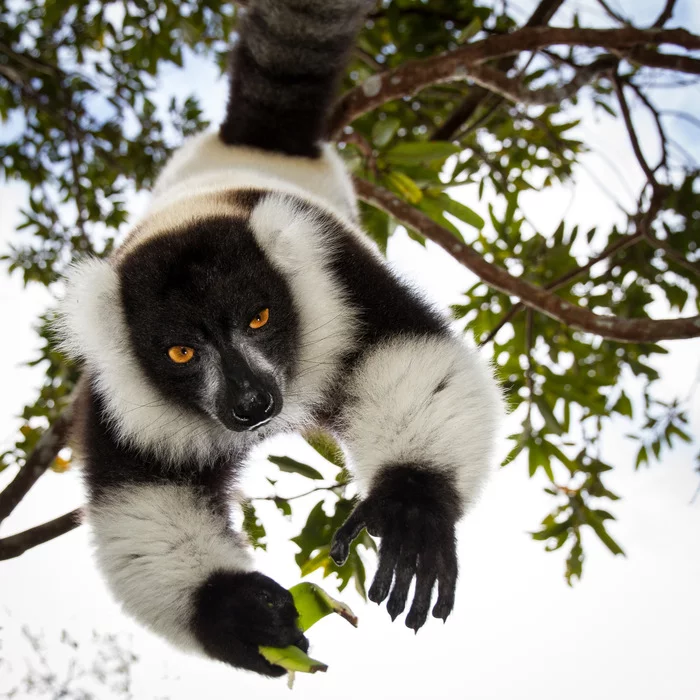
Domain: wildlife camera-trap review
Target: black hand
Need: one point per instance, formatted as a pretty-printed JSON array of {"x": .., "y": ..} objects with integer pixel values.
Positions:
[
  {"x": 235, "y": 613},
  {"x": 414, "y": 511}
]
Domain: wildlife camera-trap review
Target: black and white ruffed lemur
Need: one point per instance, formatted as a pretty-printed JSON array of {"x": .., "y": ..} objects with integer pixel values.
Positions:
[{"x": 248, "y": 302}]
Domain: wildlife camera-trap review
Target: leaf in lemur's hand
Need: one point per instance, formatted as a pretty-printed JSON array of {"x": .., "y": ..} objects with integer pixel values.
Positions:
[
  {"x": 313, "y": 604},
  {"x": 293, "y": 659},
  {"x": 287, "y": 464}
]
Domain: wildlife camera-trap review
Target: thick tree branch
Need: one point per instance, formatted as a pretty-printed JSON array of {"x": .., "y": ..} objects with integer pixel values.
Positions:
[
  {"x": 655, "y": 59},
  {"x": 612, "y": 249},
  {"x": 413, "y": 76},
  {"x": 14, "y": 545},
  {"x": 537, "y": 298},
  {"x": 37, "y": 463}
]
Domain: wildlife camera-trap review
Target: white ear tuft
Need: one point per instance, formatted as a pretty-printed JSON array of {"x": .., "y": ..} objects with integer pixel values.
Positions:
[{"x": 89, "y": 312}]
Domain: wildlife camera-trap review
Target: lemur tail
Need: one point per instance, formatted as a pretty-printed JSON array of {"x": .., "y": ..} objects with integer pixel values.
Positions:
[{"x": 285, "y": 67}]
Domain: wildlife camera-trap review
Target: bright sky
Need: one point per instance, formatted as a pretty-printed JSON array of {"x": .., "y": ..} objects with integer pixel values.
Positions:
[{"x": 630, "y": 629}]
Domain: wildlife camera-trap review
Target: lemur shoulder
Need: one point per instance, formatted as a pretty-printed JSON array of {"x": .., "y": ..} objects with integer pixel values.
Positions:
[{"x": 248, "y": 302}]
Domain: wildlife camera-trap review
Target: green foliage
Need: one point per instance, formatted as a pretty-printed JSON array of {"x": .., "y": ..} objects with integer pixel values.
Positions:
[
  {"x": 78, "y": 88},
  {"x": 314, "y": 544}
]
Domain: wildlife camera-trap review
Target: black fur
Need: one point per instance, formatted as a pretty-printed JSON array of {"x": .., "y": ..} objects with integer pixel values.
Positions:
[
  {"x": 235, "y": 613},
  {"x": 198, "y": 287},
  {"x": 284, "y": 72},
  {"x": 414, "y": 510},
  {"x": 110, "y": 464}
]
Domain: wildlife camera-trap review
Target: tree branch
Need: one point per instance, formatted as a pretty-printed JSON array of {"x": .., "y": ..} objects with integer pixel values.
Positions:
[
  {"x": 654, "y": 59},
  {"x": 514, "y": 90},
  {"x": 666, "y": 13},
  {"x": 624, "y": 107},
  {"x": 537, "y": 298},
  {"x": 413, "y": 76},
  {"x": 49, "y": 445},
  {"x": 562, "y": 281},
  {"x": 14, "y": 545},
  {"x": 542, "y": 14}
]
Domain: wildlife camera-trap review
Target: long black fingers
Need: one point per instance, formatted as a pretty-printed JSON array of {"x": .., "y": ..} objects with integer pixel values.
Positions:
[
  {"x": 447, "y": 580},
  {"x": 346, "y": 533},
  {"x": 405, "y": 570},
  {"x": 425, "y": 582},
  {"x": 388, "y": 555}
]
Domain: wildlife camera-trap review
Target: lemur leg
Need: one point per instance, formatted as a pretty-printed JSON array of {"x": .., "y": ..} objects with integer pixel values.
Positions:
[
  {"x": 168, "y": 553},
  {"x": 420, "y": 427}
]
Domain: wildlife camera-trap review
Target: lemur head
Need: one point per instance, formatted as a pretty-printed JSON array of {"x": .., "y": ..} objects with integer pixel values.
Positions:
[
  {"x": 211, "y": 322},
  {"x": 217, "y": 315}
]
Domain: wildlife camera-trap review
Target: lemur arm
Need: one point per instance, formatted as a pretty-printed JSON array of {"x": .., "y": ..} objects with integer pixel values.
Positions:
[
  {"x": 420, "y": 427},
  {"x": 168, "y": 553},
  {"x": 418, "y": 414}
]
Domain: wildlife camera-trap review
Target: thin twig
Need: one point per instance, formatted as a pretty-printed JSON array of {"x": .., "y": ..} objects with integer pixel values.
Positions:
[
  {"x": 666, "y": 14},
  {"x": 49, "y": 445},
  {"x": 624, "y": 107},
  {"x": 14, "y": 545}
]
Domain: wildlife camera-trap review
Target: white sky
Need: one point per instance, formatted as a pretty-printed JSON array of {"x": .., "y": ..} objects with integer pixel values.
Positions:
[{"x": 630, "y": 629}]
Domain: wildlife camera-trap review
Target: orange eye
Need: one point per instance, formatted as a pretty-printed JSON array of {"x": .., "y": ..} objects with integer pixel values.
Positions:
[
  {"x": 180, "y": 354},
  {"x": 260, "y": 319}
]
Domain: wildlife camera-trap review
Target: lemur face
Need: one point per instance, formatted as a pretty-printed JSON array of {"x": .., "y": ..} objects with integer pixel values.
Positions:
[{"x": 211, "y": 322}]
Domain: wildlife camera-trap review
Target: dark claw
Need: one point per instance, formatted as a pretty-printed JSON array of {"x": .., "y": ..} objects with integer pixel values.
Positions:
[
  {"x": 447, "y": 582},
  {"x": 443, "y": 608},
  {"x": 425, "y": 581},
  {"x": 345, "y": 535},
  {"x": 388, "y": 554},
  {"x": 402, "y": 582}
]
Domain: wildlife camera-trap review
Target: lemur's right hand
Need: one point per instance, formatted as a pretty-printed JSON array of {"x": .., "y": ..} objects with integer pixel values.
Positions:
[{"x": 236, "y": 612}]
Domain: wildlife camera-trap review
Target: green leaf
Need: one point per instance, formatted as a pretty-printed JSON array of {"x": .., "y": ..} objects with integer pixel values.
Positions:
[
  {"x": 404, "y": 186},
  {"x": 326, "y": 446},
  {"x": 292, "y": 659},
  {"x": 623, "y": 405},
  {"x": 253, "y": 527},
  {"x": 384, "y": 130},
  {"x": 313, "y": 604},
  {"x": 462, "y": 212},
  {"x": 420, "y": 152},
  {"x": 287, "y": 464},
  {"x": 548, "y": 415},
  {"x": 596, "y": 524}
]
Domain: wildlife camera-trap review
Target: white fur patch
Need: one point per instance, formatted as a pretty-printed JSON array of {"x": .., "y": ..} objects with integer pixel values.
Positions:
[
  {"x": 296, "y": 245},
  {"x": 155, "y": 546},
  {"x": 206, "y": 159},
  {"x": 396, "y": 416},
  {"x": 93, "y": 328}
]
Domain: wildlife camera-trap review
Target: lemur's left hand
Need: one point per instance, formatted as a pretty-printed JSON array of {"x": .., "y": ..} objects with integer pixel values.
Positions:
[{"x": 414, "y": 511}]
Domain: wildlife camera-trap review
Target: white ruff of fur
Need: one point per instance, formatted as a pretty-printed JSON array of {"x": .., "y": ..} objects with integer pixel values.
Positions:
[
  {"x": 297, "y": 246},
  {"x": 155, "y": 546},
  {"x": 396, "y": 417},
  {"x": 93, "y": 326}
]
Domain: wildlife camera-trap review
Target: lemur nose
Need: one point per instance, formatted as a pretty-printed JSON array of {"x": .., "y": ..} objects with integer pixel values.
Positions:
[{"x": 253, "y": 407}]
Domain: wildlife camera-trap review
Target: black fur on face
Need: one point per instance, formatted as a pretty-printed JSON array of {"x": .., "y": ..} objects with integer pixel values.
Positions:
[{"x": 200, "y": 287}]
